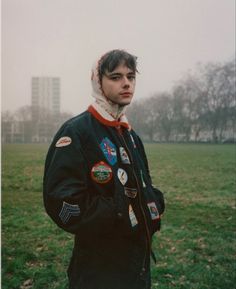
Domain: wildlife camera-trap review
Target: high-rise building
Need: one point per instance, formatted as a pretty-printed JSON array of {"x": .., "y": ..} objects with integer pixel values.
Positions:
[{"x": 45, "y": 93}]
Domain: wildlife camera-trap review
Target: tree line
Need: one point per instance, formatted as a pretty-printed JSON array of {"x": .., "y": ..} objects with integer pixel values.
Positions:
[
  {"x": 31, "y": 125},
  {"x": 200, "y": 107}
]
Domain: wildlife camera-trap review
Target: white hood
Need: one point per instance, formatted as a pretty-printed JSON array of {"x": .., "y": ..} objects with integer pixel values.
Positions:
[{"x": 102, "y": 104}]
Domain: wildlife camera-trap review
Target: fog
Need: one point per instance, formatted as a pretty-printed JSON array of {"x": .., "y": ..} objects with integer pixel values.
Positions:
[{"x": 63, "y": 38}]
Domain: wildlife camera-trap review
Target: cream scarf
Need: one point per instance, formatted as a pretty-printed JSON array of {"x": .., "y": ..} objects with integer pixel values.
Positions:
[{"x": 106, "y": 108}]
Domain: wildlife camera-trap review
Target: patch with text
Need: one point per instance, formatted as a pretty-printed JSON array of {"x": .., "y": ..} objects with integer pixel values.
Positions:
[
  {"x": 63, "y": 141},
  {"x": 101, "y": 173}
]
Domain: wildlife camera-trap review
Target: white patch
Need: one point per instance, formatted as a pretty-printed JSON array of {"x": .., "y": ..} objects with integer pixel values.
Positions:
[
  {"x": 142, "y": 178},
  {"x": 122, "y": 176},
  {"x": 132, "y": 217},
  {"x": 133, "y": 141},
  {"x": 124, "y": 156},
  {"x": 63, "y": 141}
]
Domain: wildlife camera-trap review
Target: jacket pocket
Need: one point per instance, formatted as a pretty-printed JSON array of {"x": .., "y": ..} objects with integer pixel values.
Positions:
[
  {"x": 160, "y": 200},
  {"x": 155, "y": 208}
]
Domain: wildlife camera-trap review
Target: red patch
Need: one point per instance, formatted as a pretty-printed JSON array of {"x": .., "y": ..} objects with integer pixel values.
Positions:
[{"x": 101, "y": 173}]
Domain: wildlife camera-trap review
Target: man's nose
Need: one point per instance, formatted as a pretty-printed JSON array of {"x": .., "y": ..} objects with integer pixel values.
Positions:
[{"x": 126, "y": 82}]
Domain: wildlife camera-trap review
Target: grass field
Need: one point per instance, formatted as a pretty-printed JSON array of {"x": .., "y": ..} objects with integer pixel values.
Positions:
[{"x": 195, "y": 249}]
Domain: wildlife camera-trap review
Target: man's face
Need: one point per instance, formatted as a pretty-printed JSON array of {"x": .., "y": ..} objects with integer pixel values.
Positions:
[{"x": 119, "y": 85}]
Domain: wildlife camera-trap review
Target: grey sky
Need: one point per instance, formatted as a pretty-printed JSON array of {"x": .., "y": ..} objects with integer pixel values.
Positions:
[{"x": 63, "y": 38}]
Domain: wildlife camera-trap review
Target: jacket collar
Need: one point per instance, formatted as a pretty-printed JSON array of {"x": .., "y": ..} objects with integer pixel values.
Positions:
[{"x": 105, "y": 118}]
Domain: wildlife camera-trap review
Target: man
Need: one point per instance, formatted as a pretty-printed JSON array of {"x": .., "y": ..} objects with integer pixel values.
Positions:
[{"x": 97, "y": 185}]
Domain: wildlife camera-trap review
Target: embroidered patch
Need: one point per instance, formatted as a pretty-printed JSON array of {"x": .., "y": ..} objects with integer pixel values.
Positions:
[
  {"x": 63, "y": 141},
  {"x": 101, "y": 173},
  {"x": 124, "y": 156},
  {"x": 122, "y": 176},
  {"x": 153, "y": 211},
  {"x": 133, "y": 141},
  {"x": 109, "y": 150},
  {"x": 142, "y": 178},
  {"x": 132, "y": 217},
  {"x": 68, "y": 211},
  {"x": 130, "y": 192}
]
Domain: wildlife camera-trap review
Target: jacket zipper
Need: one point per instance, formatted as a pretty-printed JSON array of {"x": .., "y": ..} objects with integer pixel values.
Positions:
[{"x": 148, "y": 239}]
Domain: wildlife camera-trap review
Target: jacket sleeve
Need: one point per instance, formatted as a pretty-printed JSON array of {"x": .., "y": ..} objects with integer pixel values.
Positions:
[
  {"x": 159, "y": 195},
  {"x": 67, "y": 198}
]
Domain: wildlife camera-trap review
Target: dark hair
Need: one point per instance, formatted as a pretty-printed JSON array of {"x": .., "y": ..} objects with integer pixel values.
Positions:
[{"x": 114, "y": 58}]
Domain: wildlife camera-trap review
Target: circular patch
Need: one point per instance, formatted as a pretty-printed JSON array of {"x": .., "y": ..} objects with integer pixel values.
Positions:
[{"x": 101, "y": 173}]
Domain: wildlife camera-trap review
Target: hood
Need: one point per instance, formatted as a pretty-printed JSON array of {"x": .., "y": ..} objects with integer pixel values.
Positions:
[{"x": 102, "y": 104}]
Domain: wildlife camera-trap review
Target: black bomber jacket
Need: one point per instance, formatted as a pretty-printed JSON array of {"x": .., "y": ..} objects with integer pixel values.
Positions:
[
  {"x": 95, "y": 174},
  {"x": 97, "y": 185}
]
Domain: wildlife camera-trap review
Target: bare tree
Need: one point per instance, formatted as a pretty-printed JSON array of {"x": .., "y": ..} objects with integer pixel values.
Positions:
[{"x": 218, "y": 98}]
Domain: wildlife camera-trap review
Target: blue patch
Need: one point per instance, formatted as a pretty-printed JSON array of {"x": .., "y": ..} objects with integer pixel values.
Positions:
[{"x": 109, "y": 150}]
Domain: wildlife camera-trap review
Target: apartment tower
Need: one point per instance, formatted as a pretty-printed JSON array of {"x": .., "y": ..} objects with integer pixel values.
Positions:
[{"x": 45, "y": 93}]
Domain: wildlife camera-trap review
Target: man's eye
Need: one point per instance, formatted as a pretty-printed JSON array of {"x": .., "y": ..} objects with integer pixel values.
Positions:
[
  {"x": 115, "y": 77},
  {"x": 119, "y": 77},
  {"x": 131, "y": 77}
]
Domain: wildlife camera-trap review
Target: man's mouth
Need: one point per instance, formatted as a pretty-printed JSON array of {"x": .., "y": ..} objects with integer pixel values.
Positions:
[{"x": 126, "y": 94}]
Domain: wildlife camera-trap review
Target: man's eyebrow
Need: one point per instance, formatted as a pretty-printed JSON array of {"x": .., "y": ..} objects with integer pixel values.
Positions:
[
  {"x": 120, "y": 74},
  {"x": 114, "y": 73}
]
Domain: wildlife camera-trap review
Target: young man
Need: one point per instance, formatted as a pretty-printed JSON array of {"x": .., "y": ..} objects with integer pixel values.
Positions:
[{"x": 97, "y": 185}]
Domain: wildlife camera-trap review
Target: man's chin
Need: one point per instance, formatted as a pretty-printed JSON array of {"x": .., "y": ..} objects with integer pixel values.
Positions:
[{"x": 124, "y": 103}]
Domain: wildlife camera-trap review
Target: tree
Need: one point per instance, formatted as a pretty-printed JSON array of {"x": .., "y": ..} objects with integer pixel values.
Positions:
[
  {"x": 7, "y": 119},
  {"x": 218, "y": 98},
  {"x": 21, "y": 126}
]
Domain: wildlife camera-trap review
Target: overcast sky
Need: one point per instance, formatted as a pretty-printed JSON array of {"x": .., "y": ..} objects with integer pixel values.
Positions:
[{"x": 62, "y": 38}]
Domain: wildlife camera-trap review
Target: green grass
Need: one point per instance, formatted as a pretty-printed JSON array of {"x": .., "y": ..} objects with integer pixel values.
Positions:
[{"x": 195, "y": 248}]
